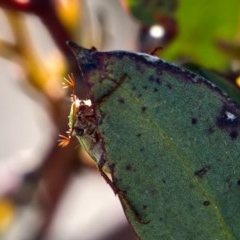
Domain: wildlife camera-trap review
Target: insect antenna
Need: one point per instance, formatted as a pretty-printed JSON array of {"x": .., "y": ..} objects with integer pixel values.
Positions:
[
  {"x": 69, "y": 82},
  {"x": 63, "y": 140}
]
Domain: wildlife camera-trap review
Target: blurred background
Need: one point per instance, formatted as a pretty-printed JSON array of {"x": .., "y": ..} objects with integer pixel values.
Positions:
[{"x": 47, "y": 192}]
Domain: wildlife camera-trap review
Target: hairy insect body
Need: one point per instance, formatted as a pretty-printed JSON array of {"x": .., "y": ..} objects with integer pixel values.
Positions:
[
  {"x": 83, "y": 125},
  {"x": 85, "y": 129}
]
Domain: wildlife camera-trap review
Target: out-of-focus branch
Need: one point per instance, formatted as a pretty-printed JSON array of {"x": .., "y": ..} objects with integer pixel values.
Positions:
[
  {"x": 7, "y": 49},
  {"x": 46, "y": 12},
  {"x": 38, "y": 75}
]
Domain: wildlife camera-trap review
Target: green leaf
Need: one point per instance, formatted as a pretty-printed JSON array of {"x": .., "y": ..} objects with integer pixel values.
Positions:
[
  {"x": 171, "y": 141},
  {"x": 223, "y": 83},
  {"x": 201, "y": 24}
]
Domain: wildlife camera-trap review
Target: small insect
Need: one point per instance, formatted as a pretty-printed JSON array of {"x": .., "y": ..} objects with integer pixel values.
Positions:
[{"x": 83, "y": 125}]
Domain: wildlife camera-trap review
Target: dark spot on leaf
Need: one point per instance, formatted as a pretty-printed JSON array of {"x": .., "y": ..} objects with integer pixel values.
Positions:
[
  {"x": 144, "y": 206},
  {"x": 144, "y": 109},
  {"x": 111, "y": 166},
  {"x": 123, "y": 191},
  {"x": 163, "y": 180},
  {"x": 191, "y": 186},
  {"x": 169, "y": 85},
  {"x": 139, "y": 68},
  {"x": 145, "y": 87},
  {"x": 139, "y": 135},
  {"x": 139, "y": 95},
  {"x": 191, "y": 206},
  {"x": 228, "y": 120},
  {"x": 155, "y": 80},
  {"x": 128, "y": 167},
  {"x": 229, "y": 183},
  {"x": 115, "y": 180},
  {"x": 153, "y": 191},
  {"x": 102, "y": 116},
  {"x": 194, "y": 121},
  {"x": 141, "y": 149},
  {"x": 234, "y": 134},
  {"x": 206, "y": 203},
  {"x": 238, "y": 182},
  {"x": 202, "y": 171},
  {"x": 155, "y": 89},
  {"x": 210, "y": 130},
  {"x": 89, "y": 66},
  {"x": 121, "y": 100}
]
